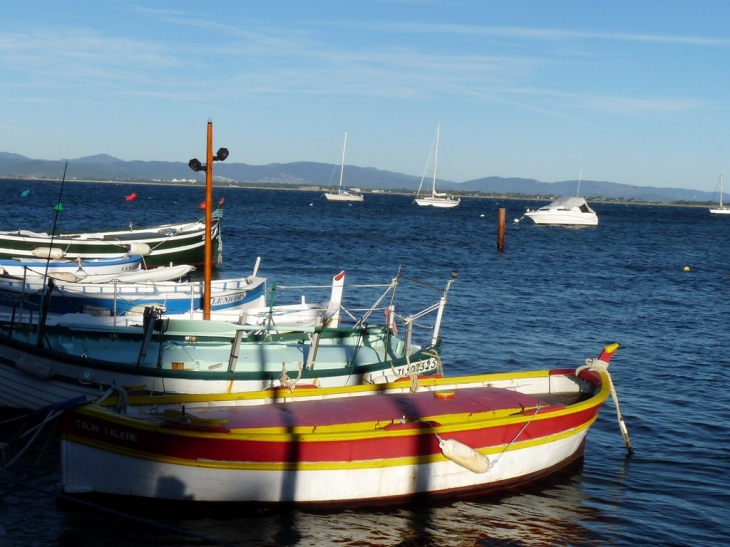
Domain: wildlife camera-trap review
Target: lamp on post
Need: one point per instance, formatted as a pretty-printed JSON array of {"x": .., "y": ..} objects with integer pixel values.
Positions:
[{"x": 196, "y": 166}]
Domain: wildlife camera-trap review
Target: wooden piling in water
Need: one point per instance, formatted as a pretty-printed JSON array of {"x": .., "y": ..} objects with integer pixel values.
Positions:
[{"x": 501, "y": 223}]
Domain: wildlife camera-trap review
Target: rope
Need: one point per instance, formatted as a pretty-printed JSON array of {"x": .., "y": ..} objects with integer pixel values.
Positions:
[
  {"x": 37, "y": 428},
  {"x": 219, "y": 260},
  {"x": 596, "y": 365},
  {"x": 288, "y": 382},
  {"x": 499, "y": 456},
  {"x": 121, "y": 402},
  {"x": 413, "y": 376},
  {"x": 439, "y": 364},
  {"x": 415, "y": 384}
]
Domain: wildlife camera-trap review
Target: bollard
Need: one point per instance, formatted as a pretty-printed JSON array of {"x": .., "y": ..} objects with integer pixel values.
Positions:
[{"x": 502, "y": 221}]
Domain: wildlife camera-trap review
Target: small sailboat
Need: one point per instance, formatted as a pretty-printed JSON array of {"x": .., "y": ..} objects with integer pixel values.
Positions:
[
  {"x": 721, "y": 210},
  {"x": 436, "y": 199},
  {"x": 343, "y": 194}
]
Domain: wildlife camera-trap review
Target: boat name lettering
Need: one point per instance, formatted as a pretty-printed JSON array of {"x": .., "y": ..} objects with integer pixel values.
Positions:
[
  {"x": 106, "y": 431},
  {"x": 417, "y": 367},
  {"x": 9, "y": 296},
  {"x": 218, "y": 300}
]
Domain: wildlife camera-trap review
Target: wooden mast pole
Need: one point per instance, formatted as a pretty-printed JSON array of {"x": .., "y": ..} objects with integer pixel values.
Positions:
[{"x": 208, "y": 264}]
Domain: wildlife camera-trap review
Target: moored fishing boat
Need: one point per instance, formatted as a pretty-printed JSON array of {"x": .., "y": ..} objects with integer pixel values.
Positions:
[
  {"x": 302, "y": 314},
  {"x": 118, "y": 297},
  {"x": 45, "y": 362},
  {"x": 179, "y": 243},
  {"x": 160, "y": 273},
  {"x": 70, "y": 270},
  {"x": 358, "y": 445}
]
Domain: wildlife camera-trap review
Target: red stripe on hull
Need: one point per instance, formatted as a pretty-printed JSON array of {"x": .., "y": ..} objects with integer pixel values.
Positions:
[{"x": 298, "y": 448}]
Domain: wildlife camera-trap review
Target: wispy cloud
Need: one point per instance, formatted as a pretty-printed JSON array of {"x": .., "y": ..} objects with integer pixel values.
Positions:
[
  {"x": 546, "y": 34},
  {"x": 280, "y": 61},
  {"x": 78, "y": 52},
  {"x": 633, "y": 105}
]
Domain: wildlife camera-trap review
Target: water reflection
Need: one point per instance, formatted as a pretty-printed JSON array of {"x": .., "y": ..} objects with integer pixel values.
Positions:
[{"x": 556, "y": 511}]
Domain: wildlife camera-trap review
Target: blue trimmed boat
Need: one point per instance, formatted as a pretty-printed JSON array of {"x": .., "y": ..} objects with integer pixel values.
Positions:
[{"x": 70, "y": 270}]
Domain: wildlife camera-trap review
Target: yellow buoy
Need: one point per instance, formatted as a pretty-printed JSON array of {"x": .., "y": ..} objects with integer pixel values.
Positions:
[{"x": 686, "y": 268}]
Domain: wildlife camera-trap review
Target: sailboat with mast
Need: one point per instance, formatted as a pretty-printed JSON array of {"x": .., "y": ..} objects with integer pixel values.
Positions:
[
  {"x": 436, "y": 199},
  {"x": 721, "y": 210},
  {"x": 343, "y": 194}
]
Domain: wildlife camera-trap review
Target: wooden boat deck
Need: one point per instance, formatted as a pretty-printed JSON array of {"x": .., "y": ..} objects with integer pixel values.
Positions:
[{"x": 374, "y": 411}]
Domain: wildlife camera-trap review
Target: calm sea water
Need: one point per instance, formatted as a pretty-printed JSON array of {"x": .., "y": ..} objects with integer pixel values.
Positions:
[{"x": 552, "y": 297}]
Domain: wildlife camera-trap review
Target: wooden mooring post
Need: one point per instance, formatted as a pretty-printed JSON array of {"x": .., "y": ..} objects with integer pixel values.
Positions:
[{"x": 501, "y": 223}]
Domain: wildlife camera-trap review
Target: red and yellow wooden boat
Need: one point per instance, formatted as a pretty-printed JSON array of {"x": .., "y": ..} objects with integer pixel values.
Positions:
[{"x": 357, "y": 445}]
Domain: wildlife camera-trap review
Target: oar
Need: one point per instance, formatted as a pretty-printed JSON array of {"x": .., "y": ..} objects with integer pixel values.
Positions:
[{"x": 601, "y": 364}]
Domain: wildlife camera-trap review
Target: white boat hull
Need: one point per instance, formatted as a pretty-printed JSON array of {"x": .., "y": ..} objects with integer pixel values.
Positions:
[
  {"x": 161, "y": 273},
  {"x": 571, "y": 211},
  {"x": 344, "y": 197},
  {"x": 440, "y": 203},
  {"x": 122, "y": 298},
  {"x": 70, "y": 270},
  {"x": 119, "y": 474},
  {"x": 565, "y": 218}
]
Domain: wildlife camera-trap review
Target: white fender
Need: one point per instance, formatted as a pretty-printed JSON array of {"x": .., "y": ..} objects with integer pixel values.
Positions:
[
  {"x": 464, "y": 455},
  {"x": 33, "y": 368},
  {"x": 47, "y": 252},
  {"x": 139, "y": 249}
]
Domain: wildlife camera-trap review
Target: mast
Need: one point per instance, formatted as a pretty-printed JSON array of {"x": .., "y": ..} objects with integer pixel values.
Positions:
[
  {"x": 580, "y": 175},
  {"x": 342, "y": 169},
  {"x": 435, "y": 161}
]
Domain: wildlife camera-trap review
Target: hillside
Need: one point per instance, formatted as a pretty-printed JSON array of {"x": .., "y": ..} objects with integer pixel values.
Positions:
[{"x": 105, "y": 167}]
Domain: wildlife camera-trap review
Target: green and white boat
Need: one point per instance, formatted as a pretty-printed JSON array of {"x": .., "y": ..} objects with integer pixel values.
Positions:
[
  {"x": 162, "y": 245},
  {"x": 49, "y": 361}
]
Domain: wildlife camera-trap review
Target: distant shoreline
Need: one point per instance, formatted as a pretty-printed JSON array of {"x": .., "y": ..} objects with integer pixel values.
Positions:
[{"x": 248, "y": 186}]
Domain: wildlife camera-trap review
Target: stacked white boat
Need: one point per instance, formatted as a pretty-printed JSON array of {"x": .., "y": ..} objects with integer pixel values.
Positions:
[{"x": 115, "y": 286}]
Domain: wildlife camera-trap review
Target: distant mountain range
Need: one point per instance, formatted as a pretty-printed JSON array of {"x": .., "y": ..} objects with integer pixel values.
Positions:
[{"x": 108, "y": 168}]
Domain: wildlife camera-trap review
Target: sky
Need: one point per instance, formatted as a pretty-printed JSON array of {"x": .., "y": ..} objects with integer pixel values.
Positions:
[{"x": 629, "y": 91}]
